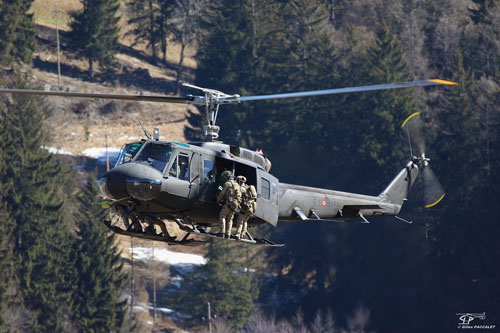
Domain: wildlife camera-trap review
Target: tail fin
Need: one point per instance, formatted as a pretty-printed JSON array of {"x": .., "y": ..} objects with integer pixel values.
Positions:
[{"x": 398, "y": 189}]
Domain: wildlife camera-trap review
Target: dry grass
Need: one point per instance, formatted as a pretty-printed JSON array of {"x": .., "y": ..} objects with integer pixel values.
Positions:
[
  {"x": 45, "y": 10},
  {"x": 78, "y": 124}
]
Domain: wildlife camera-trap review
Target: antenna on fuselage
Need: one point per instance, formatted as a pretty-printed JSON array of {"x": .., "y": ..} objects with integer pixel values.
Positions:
[{"x": 146, "y": 133}]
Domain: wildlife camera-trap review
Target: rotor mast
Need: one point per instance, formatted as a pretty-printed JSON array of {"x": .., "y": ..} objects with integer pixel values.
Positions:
[{"x": 213, "y": 98}]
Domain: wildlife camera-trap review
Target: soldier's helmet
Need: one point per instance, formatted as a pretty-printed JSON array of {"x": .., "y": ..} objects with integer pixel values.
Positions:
[
  {"x": 241, "y": 179},
  {"x": 226, "y": 175}
]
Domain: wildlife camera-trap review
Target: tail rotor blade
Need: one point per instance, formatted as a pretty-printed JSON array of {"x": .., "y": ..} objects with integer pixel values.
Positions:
[
  {"x": 411, "y": 127},
  {"x": 433, "y": 191}
]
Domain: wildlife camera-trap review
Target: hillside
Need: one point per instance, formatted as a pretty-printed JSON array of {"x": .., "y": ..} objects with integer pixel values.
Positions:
[{"x": 81, "y": 124}]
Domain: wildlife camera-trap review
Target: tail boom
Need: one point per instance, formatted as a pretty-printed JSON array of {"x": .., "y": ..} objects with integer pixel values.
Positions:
[{"x": 300, "y": 203}]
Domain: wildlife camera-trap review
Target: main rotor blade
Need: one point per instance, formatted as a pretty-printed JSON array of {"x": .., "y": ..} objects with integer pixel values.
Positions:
[
  {"x": 419, "y": 83},
  {"x": 142, "y": 98}
]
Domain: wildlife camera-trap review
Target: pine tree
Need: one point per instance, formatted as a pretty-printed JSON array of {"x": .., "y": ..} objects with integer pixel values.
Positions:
[
  {"x": 185, "y": 29},
  {"x": 163, "y": 22},
  {"x": 382, "y": 113},
  {"x": 151, "y": 24},
  {"x": 17, "y": 30},
  {"x": 224, "y": 52},
  {"x": 95, "y": 32},
  {"x": 480, "y": 41},
  {"x": 310, "y": 63},
  {"x": 34, "y": 200},
  {"x": 6, "y": 258},
  {"x": 5, "y": 266},
  {"x": 358, "y": 135},
  {"x": 225, "y": 281},
  {"x": 259, "y": 47},
  {"x": 99, "y": 305},
  {"x": 464, "y": 228},
  {"x": 144, "y": 16}
]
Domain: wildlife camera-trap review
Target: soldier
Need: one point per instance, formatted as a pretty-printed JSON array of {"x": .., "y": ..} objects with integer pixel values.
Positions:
[
  {"x": 248, "y": 206},
  {"x": 231, "y": 195}
]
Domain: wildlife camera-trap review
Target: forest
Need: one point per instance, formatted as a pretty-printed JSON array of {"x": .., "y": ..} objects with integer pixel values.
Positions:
[{"x": 61, "y": 272}]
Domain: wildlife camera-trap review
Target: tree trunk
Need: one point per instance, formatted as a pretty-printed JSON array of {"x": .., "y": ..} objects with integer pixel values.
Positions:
[
  {"x": 91, "y": 68},
  {"x": 332, "y": 12},
  {"x": 152, "y": 32},
  {"x": 165, "y": 53},
  {"x": 164, "y": 35},
  {"x": 164, "y": 44},
  {"x": 179, "y": 66}
]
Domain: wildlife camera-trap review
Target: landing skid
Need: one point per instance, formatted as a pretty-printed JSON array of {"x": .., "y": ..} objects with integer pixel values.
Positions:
[
  {"x": 169, "y": 240},
  {"x": 133, "y": 224},
  {"x": 202, "y": 232}
]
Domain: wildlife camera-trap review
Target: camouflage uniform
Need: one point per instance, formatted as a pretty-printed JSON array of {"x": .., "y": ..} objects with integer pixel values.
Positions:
[
  {"x": 248, "y": 206},
  {"x": 231, "y": 194}
]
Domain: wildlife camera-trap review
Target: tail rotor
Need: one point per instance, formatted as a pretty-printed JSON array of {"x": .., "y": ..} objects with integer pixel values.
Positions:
[{"x": 433, "y": 191}]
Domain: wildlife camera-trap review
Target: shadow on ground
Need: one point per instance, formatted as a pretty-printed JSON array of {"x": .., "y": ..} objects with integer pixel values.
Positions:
[{"x": 121, "y": 73}]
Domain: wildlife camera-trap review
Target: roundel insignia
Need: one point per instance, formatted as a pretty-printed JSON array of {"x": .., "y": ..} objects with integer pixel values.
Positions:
[{"x": 323, "y": 203}]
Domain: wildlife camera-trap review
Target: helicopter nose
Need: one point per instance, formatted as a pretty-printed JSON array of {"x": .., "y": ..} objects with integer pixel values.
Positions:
[{"x": 134, "y": 180}]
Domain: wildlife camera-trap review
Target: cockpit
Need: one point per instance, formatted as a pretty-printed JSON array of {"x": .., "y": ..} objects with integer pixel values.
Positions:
[
  {"x": 128, "y": 153},
  {"x": 156, "y": 155}
]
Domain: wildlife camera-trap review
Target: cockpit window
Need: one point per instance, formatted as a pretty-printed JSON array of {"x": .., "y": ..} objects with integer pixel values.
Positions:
[
  {"x": 156, "y": 155},
  {"x": 128, "y": 153}
]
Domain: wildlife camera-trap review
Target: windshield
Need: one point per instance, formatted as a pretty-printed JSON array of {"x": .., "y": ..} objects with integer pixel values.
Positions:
[
  {"x": 156, "y": 155},
  {"x": 128, "y": 153}
]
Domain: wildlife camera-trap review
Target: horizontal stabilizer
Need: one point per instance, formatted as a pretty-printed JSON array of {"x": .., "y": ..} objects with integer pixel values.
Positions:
[
  {"x": 351, "y": 211},
  {"x": 317, "y": 218},
  {"x": 359, "y": 207}
]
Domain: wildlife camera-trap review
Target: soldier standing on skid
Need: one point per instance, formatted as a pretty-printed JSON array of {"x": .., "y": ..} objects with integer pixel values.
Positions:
[
  {"x": 248, "y": 206},
  {"x": 231, "y": 195}
]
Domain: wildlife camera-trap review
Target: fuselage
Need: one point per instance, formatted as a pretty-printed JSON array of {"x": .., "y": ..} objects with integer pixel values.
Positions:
[{"x": 176, "y": 180}]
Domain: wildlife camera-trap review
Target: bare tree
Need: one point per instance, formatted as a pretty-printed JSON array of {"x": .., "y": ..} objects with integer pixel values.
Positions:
[
  {"x": 221, "y": 326},
  {"x": 185, "y": 23},
  {"x": 323, "y": 323},
  {"x": 298, "y": 322},
  {"x": 359, "y": 320},
  {"x": 260, "y": 323}
]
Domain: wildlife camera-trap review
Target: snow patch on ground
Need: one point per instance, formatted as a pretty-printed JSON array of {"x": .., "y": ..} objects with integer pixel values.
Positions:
[
  {"x": 53, "y": 150},
  {"x": 162, "y": 310},
  {"x": 138, "y": 308},
  {"x": 99, "y": 154},
  {"x": 177, "y": 280},
  {"x": 167, "y": 257},
  {"x": 128, "y": 138}
]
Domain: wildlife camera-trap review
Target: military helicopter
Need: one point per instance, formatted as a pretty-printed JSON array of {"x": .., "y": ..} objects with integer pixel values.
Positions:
[{"x": 156, "y": 182}]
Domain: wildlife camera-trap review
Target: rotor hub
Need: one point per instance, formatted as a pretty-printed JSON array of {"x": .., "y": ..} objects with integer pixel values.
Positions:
[{"x": 211, "y": 132}]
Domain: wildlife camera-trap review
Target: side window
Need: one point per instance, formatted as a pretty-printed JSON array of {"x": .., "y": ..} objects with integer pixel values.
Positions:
[
  {"x": 174, "y": 170},
  {"x": 208, "y": 170},
  {"x": 274, "y": 193},
  {"x": 183, "y": 167},
  {"x": 265, "y": 188},
  {"x": 180, "y": 167}
]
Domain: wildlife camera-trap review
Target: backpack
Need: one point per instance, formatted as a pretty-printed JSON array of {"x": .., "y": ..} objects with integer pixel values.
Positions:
[{"x": 251, "y": 192}]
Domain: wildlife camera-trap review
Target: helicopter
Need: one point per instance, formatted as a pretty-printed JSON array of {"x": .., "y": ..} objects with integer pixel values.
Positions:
[{"x": 156, "y": 182}]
